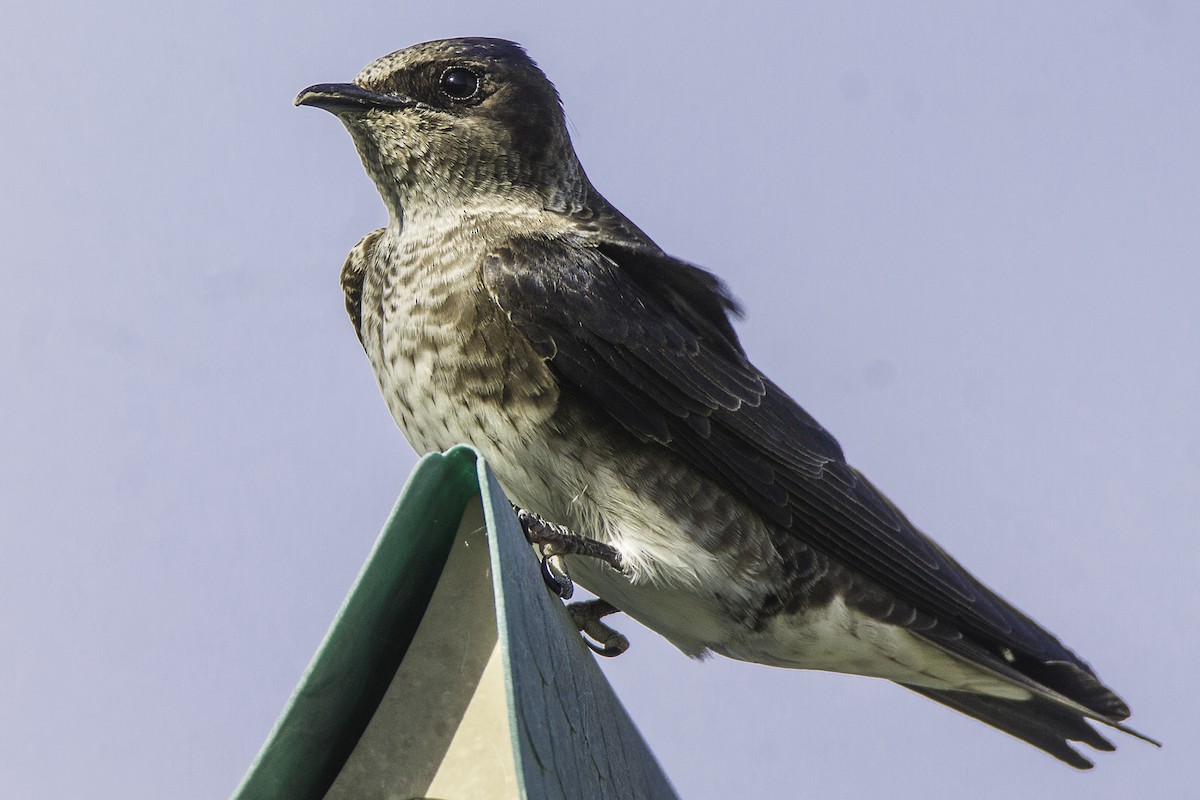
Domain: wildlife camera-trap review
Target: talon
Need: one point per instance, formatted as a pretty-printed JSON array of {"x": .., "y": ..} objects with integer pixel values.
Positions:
[
  {"x": 554, "y": 572},
  {"x": 600, "y": 639},
  {"x": 554, "y": 542},
  {"x": 613, "y": 646}
]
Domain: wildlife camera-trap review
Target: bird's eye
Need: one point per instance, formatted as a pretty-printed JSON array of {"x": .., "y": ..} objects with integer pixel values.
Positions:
[{"x": 459, "y": 83}]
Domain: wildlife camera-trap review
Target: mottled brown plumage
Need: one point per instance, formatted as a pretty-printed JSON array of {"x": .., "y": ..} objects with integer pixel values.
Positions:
[{"x": 508, "y": 305}]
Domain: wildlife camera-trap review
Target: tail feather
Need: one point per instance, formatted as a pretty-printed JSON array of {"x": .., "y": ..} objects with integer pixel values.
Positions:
[{"x": 1039, "y": 721}]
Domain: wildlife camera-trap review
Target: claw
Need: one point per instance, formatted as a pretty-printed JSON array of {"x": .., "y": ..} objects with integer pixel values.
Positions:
[
  {"x": 614, "y": 644},
  {"x": 555, "y": 541},
  {"x": 604, "y": 641},
  {"x": 554, "y": 573}
]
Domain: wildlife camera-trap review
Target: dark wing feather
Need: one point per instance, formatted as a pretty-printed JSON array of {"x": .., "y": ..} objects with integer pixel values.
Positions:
[
  {"x": 353, "y": 273},
  {"x": 647, "y": 338}
]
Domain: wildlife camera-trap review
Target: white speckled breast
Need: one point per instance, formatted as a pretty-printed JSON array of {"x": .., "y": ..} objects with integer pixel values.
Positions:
[{"x": 452, "y": 369}]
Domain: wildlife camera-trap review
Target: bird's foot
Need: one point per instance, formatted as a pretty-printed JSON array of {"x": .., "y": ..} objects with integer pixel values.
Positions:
[
  {"x": 586, "y": 615},
  {"x": 556, "y": 541}
]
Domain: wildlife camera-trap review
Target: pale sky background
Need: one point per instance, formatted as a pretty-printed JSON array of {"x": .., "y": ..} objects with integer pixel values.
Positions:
[{"x": 967, "y": 236}]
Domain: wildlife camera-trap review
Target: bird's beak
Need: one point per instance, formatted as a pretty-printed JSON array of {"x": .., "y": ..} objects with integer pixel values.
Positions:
[{"x": 341, "y": 97}]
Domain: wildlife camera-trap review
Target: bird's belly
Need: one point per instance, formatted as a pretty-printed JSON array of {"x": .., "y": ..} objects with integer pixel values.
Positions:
[{"x": 569, "y": 473}]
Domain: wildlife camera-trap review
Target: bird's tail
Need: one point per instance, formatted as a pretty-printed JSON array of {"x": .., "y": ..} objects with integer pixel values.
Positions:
[{"x": 1042, "y": 721}]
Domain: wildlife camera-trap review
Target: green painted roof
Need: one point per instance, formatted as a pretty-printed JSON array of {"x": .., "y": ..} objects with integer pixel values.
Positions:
[{"x": 569, "y": 736}]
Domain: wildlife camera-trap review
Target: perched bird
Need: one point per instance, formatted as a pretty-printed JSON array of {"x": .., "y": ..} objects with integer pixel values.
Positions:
[{"x": 508, "y": 305}]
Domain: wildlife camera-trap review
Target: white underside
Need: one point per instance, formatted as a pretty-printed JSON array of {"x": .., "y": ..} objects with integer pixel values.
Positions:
[{"x": 834, "y": 639}]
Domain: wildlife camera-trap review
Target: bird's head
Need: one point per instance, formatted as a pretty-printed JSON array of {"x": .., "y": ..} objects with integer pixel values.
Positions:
[{"x": 457, "y": 121}]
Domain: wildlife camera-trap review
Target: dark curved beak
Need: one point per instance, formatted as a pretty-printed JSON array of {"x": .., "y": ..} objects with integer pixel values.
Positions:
[{"x": 340, "y": 97}]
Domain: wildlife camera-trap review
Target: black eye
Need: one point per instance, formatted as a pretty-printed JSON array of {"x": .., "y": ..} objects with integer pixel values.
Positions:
[{"x": 459, "y": 83}]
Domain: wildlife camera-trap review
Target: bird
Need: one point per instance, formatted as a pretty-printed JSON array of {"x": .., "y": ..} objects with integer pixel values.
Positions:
[{"x": 507, "y": 305}]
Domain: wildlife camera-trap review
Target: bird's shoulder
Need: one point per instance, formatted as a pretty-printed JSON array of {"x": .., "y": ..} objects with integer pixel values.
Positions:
[
  {"x": 596, "y": 272},
  {"x": 353, "y": 274}
]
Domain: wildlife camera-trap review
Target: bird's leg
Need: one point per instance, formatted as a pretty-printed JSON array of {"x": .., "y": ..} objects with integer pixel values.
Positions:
[
  {"x": 587, "y": 616},
  {"x": 556, "y": 541}
]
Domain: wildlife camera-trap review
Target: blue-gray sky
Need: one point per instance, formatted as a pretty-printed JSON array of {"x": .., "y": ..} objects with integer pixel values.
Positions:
[{"x": 966, "y": 235}]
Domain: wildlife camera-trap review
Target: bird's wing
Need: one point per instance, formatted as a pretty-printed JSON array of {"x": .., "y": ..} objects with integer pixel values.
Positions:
[
  {"x": 646, "y": 338},
  {"x": 353, "y": 272}
]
